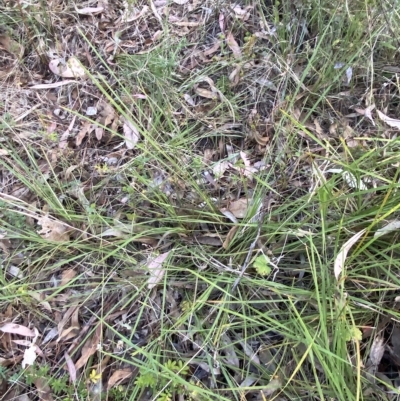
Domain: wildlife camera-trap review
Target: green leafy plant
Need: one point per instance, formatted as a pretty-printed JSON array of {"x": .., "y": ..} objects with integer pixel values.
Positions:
[{"x": 262, "y": 265}]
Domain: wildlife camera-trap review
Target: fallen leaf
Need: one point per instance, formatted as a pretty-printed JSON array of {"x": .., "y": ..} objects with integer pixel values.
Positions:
[
  {"x": 64, "y": 137},
  {"x": 220, "y": 168},
  {"x": 156, "y": 270},
  {"x": 52, "y": 230},
  {"x": 133, "y": 13},
  {"x": 189, "y": 100},
  {"x": 180, "y": 2},
  {"x": 233, "y": 45},
  {"x": 392, "y": 226},
  {"x": 228, "y": 348},
  {"x": 341, "y": 257},
  {"x": 71, "y": 69},
  {"x": 274, "y": 385},
  {"x": 29, "y": 356},
  {"x": 376, "y": 351},
  {"x": 17, "y": 329},
  {"x": 118, "y": 377},
  {"x": 71, "y": 367},
  {"x": 349, "y": 178},
  {"x": 43, "y": 389},
  {"x": 53, "y": 85},
  {"x": 87, "y": 128},
  {"x": 90, "y": 347},
  {"x": 131, "y": 133},
  {"x": 89, "y": 10},
  {"x": 392, "y": 122},
  {"x": 206, "y": 93},
  {"x": 239, "y": 208},
  {"x": 67, "y": 276}
]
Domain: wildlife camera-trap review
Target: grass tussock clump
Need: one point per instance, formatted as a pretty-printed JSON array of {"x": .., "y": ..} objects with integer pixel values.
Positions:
[{"x": 199, "y": 201}]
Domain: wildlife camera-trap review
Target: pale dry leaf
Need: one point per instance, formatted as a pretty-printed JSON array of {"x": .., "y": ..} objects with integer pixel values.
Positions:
[
  {"x": 220, "y": 168},
  {"x": 229, "y": 350},
  {"x": 67, "y": 276},
  {"x": 392, "y": 122},
  {"x": 53, "y": 85},
  {"x": 89, "y": 10},
  {"x": 114, "y": 232},
  {"x": 239, "y": 208},
  {"x": 233, "y": 45},
  {"x": 341, "y": 257},
  {"x": 376, "y": 351},
  {"x": 388, "y": 228},
  {"x": 189, "y": 100},
  {"x": 73, "y": 68},
  {"x": 274, "y": 385},
  {"x": 131, "y": 133},
  {"x": 29, "y": 356},
  {"x": 206, "y": 93},
  {"x": 156, "y": 270},
  {"x": 229, "y": 215},
  {"x": 52, "y": 333},
  {"x": 17, "y": 329},
  {"x": 71, "y": 367},
  {"x": 25, "y": 343},
  {"x": 368, "y": 113},
  {"x": 53, "y": 230},
  {"x": 118, "y": 377},
  {"x": 180, "y": 2},
  {"x": 349, "y": 178}
]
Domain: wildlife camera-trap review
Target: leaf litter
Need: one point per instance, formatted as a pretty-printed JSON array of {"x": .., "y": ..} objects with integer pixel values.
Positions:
[{"x": 82, "y": 134}]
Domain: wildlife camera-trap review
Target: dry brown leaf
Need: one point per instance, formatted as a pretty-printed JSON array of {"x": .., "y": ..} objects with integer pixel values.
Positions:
[
  {"x": 43, "y": 389},
  {"x": 239, "y": 208},
  {"x": 131, "y": 133},
  {"x": 392, "y": 122},
  {"x": 67, "y": 276},
  {"x": 118, "y": 377},
  {"x": 64, "y": 137},
  {"x": 17, "y": 329},
  {"x": 53, "y": 230},
  {"x": 11, "y": 46},
  {"x": 90, "y": 347},
  {"x": 233, "y": 45},
  {"x": 87, "y": 128},
  {"x": 156, "y": 270},
  {"x": 341, "y": 257},
  {"x": 71, "y": 69}
]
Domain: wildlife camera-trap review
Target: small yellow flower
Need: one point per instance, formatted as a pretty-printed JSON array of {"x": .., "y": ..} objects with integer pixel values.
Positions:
[{"x": 94, "y": 377}]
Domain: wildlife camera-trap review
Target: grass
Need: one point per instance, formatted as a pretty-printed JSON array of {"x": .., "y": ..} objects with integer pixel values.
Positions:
[{"x": 294, "y": 334}]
